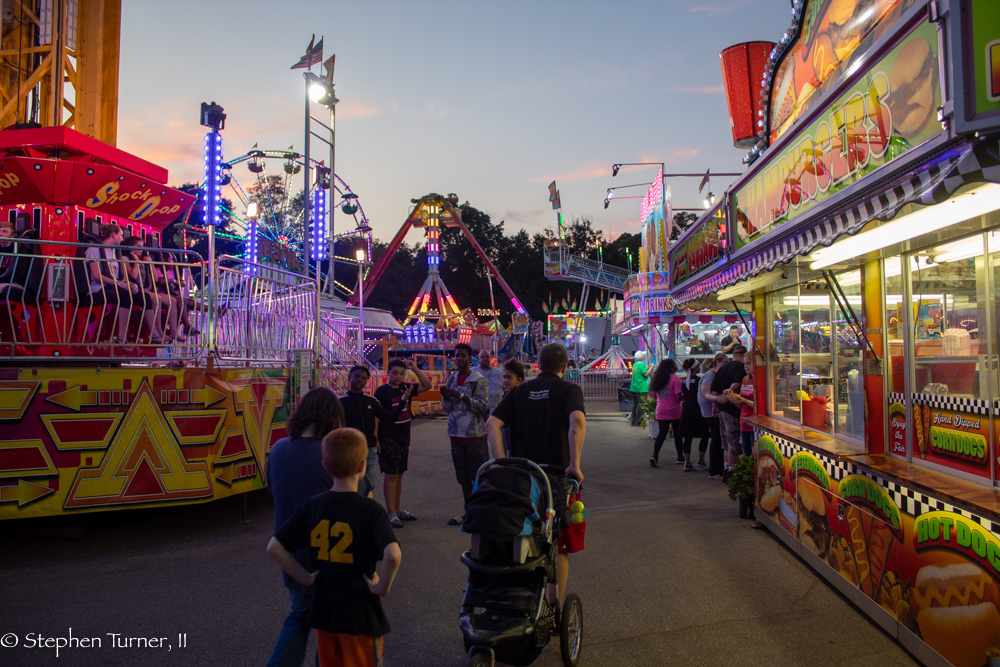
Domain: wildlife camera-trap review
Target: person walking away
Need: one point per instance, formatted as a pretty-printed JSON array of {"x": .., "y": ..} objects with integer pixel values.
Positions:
[
  {"x": 494, "y": 377},
  {"x": 295, "y": 473},
  {"x": 394, "y": 437},
  {"x": 666, "y": 387},
  {"x": 361, "y": 412},
  {"x": 693, "y": 425},
  {"x": 727, "y": 382},
  {"x": 640, "y": 384},
  {"x": 746, "y": 402},
  {"x": 346, "y": 536},
  {"x": 466, "y": 399},
  {"x": 548, "y": 424},
  {"x": 709, "y": 404}
]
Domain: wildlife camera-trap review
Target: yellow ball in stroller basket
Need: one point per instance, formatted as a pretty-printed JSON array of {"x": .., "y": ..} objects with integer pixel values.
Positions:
[{"x": 577, "y": 512}]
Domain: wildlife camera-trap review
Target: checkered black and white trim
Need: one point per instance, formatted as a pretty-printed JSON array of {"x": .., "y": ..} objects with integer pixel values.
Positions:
[
  {"x": 970, "y": 405},
  {"x": 915, "y": 503},
  {"x": 837, "y": 469},
  {"x": 968, "y": 162},
  {"x": 897, "y": 398}
]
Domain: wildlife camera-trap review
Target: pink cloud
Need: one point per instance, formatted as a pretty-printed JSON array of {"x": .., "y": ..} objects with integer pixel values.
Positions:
[
  {"x": 582, "y": 174},
  {"x": 353, "y": 108}
]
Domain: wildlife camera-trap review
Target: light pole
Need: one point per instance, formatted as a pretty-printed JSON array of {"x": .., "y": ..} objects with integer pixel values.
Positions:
[{"x": 360, "y": 254}]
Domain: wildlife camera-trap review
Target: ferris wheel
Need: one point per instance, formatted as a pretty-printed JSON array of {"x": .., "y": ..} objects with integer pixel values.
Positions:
[{"x": 270, "y": 185}]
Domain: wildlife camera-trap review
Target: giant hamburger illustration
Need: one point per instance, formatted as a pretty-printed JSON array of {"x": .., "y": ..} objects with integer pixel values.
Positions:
[
  {"x": 849, "y": 22},
  {"x": 955, "y": 607},
  {"x": 911, "y": 82},
  {"x": 814, "y": 528}
]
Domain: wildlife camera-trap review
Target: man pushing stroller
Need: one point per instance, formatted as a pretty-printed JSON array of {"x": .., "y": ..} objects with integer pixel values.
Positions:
[{"x": 547, "y": 424}]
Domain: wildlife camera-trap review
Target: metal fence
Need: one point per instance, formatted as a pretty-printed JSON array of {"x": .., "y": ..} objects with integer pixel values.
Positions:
[
  {"x": 85, "y": 300},
  {"x": 595, "y": 384},
  {"x": 264, "y": 313}
]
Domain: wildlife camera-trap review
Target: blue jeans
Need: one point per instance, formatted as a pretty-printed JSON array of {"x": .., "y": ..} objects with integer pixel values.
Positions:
[{"x": 290, "y": 651}]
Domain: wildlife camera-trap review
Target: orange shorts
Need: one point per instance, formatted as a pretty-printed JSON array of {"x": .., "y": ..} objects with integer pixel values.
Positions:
[{"x": 341, "y": 650}]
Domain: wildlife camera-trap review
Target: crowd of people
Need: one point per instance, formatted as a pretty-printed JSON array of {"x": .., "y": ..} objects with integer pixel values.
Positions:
[
  {"x": 337, "y": 546},
  {"x": 711, "y": 407}
]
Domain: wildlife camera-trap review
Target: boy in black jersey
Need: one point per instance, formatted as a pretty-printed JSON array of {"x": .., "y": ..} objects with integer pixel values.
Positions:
[
  {"x": 394, "y": 437},
  {"x": 346, "y": 535}
]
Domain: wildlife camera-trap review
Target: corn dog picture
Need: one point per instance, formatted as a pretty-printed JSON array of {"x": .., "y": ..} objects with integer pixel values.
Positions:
[
  {"x": 860, "y": 547},
  {"x": 918, "y": 430},
  {"x": 878, "y": 550},
  {"x": 925, "y": 412}
]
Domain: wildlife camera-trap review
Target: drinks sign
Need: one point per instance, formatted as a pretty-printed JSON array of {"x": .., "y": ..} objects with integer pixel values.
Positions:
[{"x": 885, "y": 114}]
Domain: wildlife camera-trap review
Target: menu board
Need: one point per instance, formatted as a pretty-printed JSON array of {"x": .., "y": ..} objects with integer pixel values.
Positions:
[
  {"x": 931, "y": 567},
  {"x": 885, "y": 114}
]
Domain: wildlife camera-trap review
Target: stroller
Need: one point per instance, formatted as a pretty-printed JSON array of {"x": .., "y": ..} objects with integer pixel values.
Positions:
[{"x": 513, "y": 516}]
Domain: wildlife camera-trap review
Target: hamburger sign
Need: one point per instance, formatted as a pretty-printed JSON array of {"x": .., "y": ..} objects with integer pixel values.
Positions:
[{"x": 886, "y": 113}]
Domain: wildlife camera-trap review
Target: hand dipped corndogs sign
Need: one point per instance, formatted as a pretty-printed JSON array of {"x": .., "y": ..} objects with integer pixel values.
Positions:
[{"x": 882, "y": 116}]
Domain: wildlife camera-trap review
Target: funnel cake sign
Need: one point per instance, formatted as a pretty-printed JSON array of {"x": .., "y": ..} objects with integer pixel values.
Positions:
[{"x": 883, "y": 115}]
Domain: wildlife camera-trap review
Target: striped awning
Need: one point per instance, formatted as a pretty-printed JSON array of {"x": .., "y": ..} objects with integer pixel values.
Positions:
[{"x": 975, "y": 160}]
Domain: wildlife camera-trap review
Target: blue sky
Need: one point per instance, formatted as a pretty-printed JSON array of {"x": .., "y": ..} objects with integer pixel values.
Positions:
[{"x": 491, "y": 101}]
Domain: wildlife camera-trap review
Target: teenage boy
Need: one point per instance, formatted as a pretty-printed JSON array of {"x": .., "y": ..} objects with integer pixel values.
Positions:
[
  {"x": 547, "y": 425},
  {"x": 394, "y": 436},
  {"x": 346, "y": 536},
  {"x": 361, "y": 411},
  {"x": 466, "y": 399}
]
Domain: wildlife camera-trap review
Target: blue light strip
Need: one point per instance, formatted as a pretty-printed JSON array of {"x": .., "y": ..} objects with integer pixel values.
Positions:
[
  {"x": 319, "y": 225},
  {"x": 213, "y": 176}
]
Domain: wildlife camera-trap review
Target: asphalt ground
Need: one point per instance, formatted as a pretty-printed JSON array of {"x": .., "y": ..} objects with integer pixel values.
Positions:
[{"x": 670, "y": 576}]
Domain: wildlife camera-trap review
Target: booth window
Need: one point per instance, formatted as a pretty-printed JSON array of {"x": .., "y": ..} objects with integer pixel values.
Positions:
[{"x": 814, "y": 374}]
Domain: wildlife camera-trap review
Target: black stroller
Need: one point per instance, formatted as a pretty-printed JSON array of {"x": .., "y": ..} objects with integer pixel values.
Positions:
[{"x": 513, "y": 516}]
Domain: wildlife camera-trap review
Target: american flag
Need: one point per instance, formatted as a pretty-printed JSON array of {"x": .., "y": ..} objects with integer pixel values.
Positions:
[
  {"x": 704, "y": 182},
  {"x": 313, "y": 56}
]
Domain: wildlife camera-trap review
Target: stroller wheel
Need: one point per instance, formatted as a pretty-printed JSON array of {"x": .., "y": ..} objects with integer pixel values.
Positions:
[
  {"x": 571, "y": 630},
  {"x": 479, "y": 657}
]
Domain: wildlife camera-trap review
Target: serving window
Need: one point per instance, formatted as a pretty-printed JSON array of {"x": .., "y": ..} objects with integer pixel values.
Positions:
[
  {"x": 814, "y": 375},
  {"x": 941, "y": 311}
]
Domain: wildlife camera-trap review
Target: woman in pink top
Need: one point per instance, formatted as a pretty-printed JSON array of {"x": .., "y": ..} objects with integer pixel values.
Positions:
[{"x": 666, "y": 386}]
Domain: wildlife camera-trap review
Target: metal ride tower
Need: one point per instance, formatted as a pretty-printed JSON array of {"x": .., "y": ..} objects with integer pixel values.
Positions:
[{"x": 431, "y": 213}]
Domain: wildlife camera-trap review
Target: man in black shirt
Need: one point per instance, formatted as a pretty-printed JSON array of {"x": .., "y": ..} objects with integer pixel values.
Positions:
[
  {"x": 394, "y": 437},
  {"x": 731, "y": 341},
  {"x": 548, "y": 424},
  {"x": 728, "y": 379},
  {"x": 361, "y": 411}
]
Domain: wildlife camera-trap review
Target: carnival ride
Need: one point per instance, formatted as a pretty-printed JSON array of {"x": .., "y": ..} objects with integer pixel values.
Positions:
[
  {"x": 273, "y": 180},
  {"x": 101, "y": 411},
  {"x": 434, "y": 311}
]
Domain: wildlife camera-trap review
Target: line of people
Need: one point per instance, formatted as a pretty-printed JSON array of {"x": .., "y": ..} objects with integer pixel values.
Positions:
[{"x": 711, "y": 408}]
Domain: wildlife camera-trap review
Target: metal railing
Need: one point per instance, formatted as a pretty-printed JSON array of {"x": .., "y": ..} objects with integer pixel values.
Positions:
[
  {"x": 587, "y": 270},
  {"x": 595, "y": 384},
  {"x": 264, "y": 313},
  {"x": 85, "y": 300}
]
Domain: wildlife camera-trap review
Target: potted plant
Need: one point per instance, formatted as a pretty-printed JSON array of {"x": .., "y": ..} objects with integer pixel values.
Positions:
[
  {"x": 647, "y": 408},
  {"x": 741, "y": 485}
]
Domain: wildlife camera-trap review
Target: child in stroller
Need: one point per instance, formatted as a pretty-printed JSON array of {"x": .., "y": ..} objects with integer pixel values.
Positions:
[{"x": 513, "y": 516}]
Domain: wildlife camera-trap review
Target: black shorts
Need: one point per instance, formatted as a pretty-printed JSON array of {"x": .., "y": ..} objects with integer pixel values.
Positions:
[{"x": 393, "y": 456}]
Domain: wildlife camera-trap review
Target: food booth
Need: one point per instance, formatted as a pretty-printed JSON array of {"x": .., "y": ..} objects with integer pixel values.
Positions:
[{"x": 865, "y": 238}]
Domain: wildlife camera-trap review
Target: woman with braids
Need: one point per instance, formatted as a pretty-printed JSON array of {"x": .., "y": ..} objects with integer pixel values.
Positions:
[
  {"x": 295, "y": 473},
  {"x": 665, "y": 386}
]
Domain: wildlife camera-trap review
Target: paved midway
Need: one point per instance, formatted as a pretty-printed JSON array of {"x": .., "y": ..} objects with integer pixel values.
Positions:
[{"x": 670, "y": 576}]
